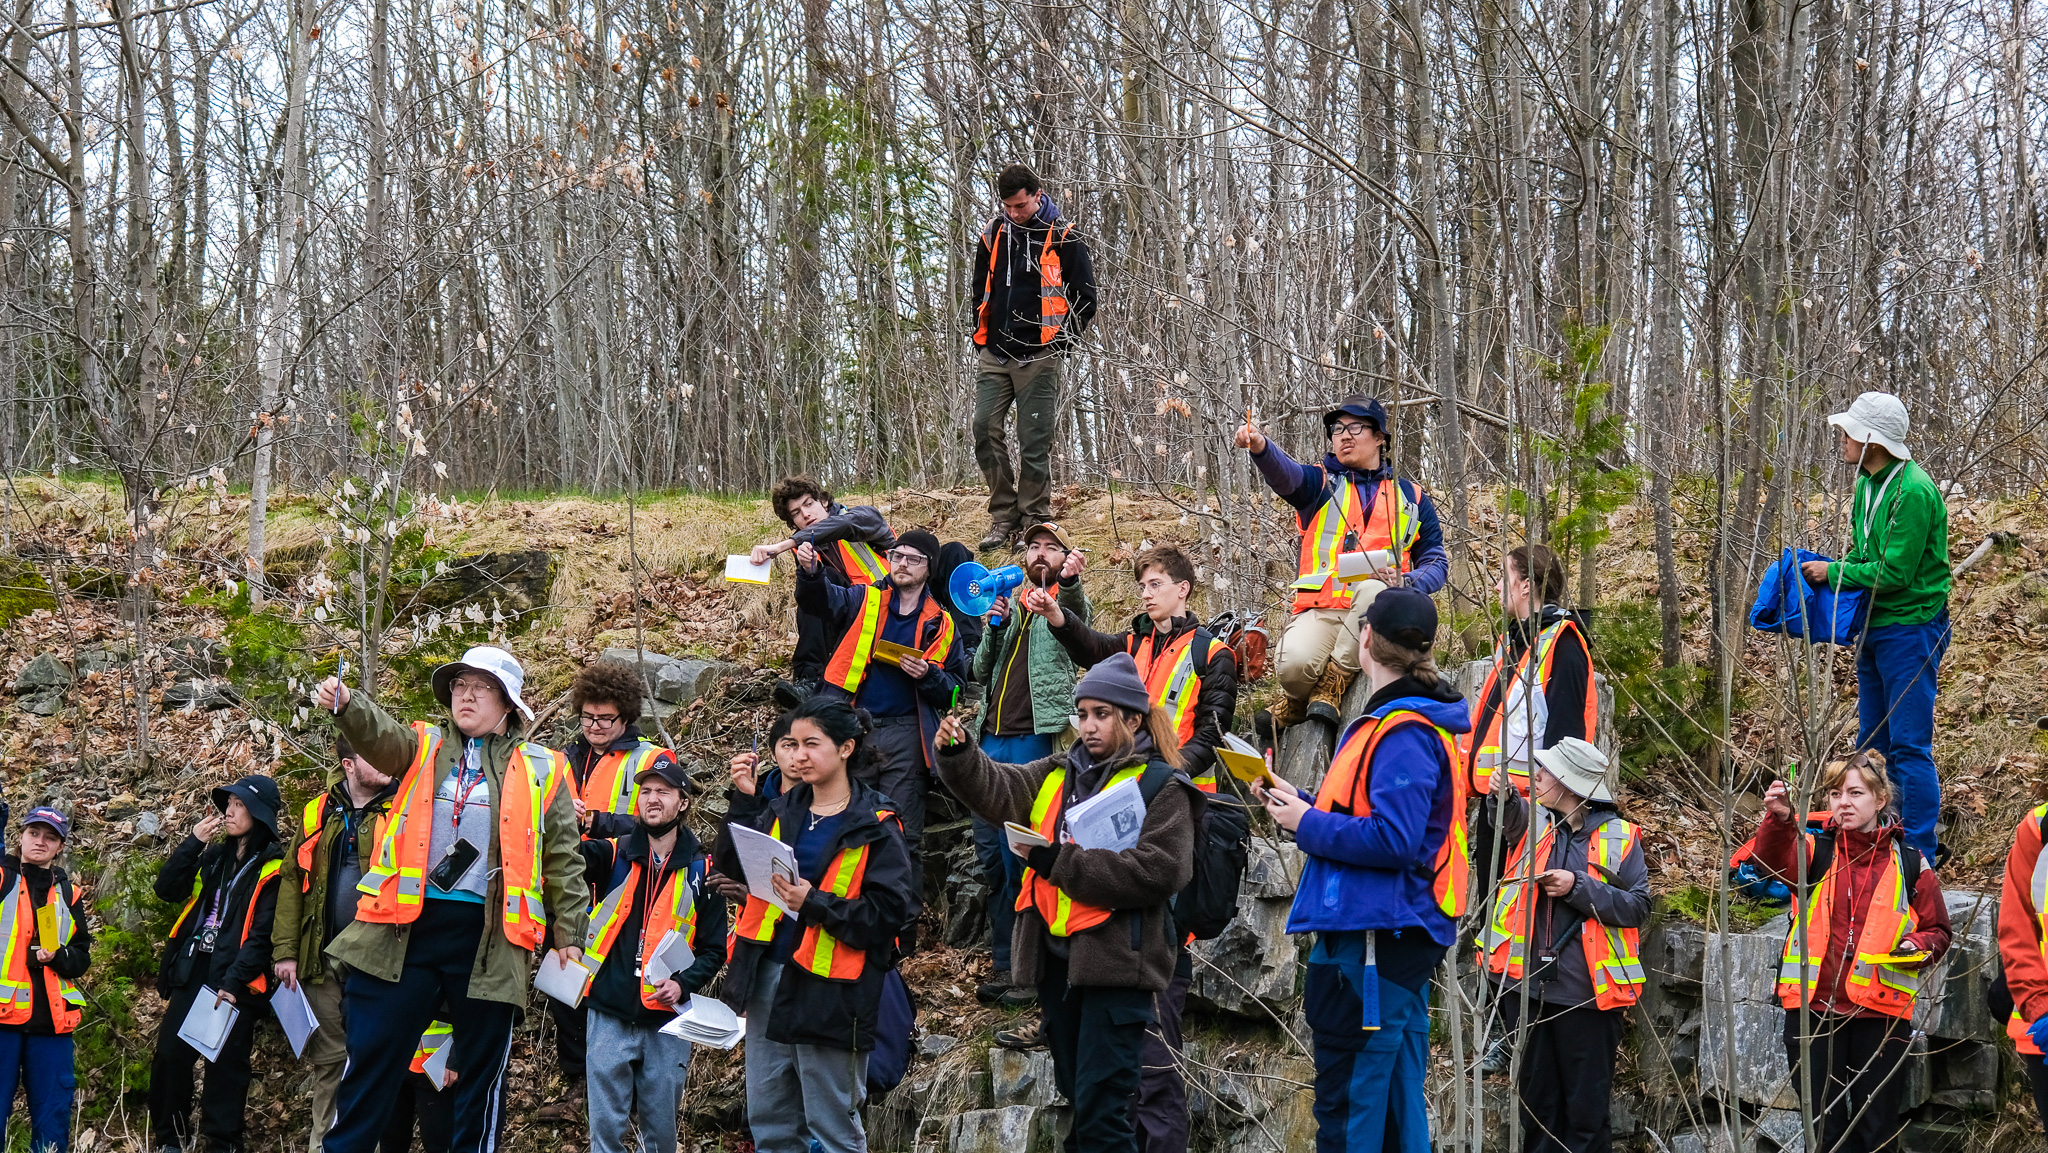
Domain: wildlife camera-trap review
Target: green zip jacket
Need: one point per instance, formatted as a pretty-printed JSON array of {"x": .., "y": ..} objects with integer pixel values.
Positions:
[
  {"x": 1046, "y": 664},
  {"x": 301, "y": 921},
  {"x": 501, "y": 969},
  {"x": 1903, "y": 557}
]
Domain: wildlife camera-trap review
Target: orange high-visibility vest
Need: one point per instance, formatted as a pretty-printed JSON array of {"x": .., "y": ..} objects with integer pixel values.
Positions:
[
  {"x": 1886, "y": 922},
  {"x": 1345, "y": 790},
  {"x": 849, "y": 664},
  {"x": 438, "y": 1033},
  {"x": 2016, "y": 1025},
  {"x": 310, "y": 821},
  {"x": 674, "y": 907},
  {"x": 614, "y": 785},
  {"x": 18, "y": 937},
  {"x": 1175, "y": 683},
  {"x": 817, "y": 952},
  {"x": 1063, "y": 915},
  {"x": 1613, "y": 955},
  {"x": 264, "y": 876},
  {"x": 394, "y": 887},
  {"x": 1341, "y": 525},
  {"x": 1052, "y": 285},
  {"x": 861, "y": 564},
  {"x": 1481, "y": 751}
]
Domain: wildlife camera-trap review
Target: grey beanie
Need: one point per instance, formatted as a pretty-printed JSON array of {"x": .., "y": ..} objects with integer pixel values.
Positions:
[{"x": 1117, "y": 682}]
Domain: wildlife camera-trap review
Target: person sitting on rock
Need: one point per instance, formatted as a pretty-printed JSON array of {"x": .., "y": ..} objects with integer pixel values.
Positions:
[
  {"x": 1383, "y": 885},
  {"x": 1094, "y": 928},
  {"x": 1868, "y": 917},
  {"x": 1566, "y": 923}
]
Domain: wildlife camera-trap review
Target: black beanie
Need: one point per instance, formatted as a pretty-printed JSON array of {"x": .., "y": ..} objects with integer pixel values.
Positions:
[{"x": 921, "y": 541}]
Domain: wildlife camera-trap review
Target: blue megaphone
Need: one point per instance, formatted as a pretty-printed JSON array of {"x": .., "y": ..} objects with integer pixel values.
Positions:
[{"x": 976, "y": 588}]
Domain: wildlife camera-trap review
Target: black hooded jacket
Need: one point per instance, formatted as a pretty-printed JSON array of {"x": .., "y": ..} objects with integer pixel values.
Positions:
[
  {"x": 1214, "y": 706},
  {"x": 812, "y": 1010},
  {"x": 231, "y": 884},
  {"x": 616, "y": 989},
  {"x": 1014, "y": 316}
]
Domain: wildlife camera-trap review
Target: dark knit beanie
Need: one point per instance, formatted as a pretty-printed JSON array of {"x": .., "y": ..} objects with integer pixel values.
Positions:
[
  {"x": 921, "y": 541},
  {"x": 1117, "y": 682}
]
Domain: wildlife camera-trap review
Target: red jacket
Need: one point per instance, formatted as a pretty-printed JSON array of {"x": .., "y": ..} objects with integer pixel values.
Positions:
[
  {"x": 2019, "y": 924},
  {"x": 1862, "y": 854}
]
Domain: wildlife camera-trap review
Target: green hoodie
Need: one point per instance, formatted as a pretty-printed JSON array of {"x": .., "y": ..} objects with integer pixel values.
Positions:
[
  {"x": 1899, "y": 550},
  {"x": 501, "y": 969}
]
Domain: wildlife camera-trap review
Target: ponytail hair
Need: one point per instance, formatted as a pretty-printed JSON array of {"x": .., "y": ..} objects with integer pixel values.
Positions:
[
  {"x": 1417, "y": 664},
  {"x": 1165, "y": 736}
]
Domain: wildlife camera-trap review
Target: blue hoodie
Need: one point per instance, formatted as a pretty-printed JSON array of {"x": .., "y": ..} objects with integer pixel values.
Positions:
[{"x": 1377, "y": 872}]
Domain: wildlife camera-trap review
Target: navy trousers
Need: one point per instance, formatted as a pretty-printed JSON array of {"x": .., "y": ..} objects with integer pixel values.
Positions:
[{"x": 41, "y": 1063}]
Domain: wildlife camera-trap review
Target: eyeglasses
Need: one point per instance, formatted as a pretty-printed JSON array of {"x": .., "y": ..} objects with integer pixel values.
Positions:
[
  {"x": 899, "y": 556},
  {"x": 1349, "y": 428},
  {"x": 471, "y": 687},
  {"x": 598, "y": 720}
]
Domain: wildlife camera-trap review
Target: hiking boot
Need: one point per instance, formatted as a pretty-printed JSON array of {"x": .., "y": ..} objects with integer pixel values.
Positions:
[
  {"x": 1018, "y": 997},
  {"x": 791, "y": 693},
  {"x": 1029, "y": 1035},
  {"x": 999, "y": 534},
  {"x": 998, "y": 984},
  {"x": 567, "y": 1107},
  {"x": 1286, "y": 713},
  {"x": 1499, "y": 1056},
  {"x": 1327, "y": 703}
]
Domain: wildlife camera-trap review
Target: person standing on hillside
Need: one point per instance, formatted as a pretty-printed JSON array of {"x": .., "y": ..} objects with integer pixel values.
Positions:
[
  {"x": 46, "y": 948},
  {"x": 1035, "y": 295},
  {"x": 476, "y": 868},
  {"x": 316, "y": 899},
  {"x": 1030, "y": 680},
  {"x": 851, "y": 541},
  {"x": 1351, "y": 503},
  {"x": 1898, "y": 549}
]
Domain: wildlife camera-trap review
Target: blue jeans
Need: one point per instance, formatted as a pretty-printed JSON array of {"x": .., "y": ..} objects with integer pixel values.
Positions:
[
  {"x": 1895, "y": 675},
  {"x": 1002, "y": 870},
  {"x": 1369, "y": 1093},
  {"x": 43, "y": 1063}
]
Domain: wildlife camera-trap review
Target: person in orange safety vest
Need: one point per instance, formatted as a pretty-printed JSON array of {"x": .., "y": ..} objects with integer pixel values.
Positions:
[
  {"x": 1565, "y": 922},
  {"x": 43, "y": 931},
  {"x": 2023, "y": 949},
  {"x": 1867, "y": 921},
  {"x": 809, "y": 980},
  {"x": 851, "y": 541}
]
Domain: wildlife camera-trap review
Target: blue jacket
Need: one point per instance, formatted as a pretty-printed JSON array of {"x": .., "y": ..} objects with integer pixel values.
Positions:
[
  {"x": 1377, "y": 872},
  {"x": 1306, "y": 487}
]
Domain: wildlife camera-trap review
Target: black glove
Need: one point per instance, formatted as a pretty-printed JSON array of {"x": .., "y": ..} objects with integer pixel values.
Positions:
[{"x": 1042, "y": 859}]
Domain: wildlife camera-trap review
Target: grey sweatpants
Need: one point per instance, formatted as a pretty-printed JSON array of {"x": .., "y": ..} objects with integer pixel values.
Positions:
[
  {"x": 634, "y": 1072},
  {"x": 800, "y": 1094}
]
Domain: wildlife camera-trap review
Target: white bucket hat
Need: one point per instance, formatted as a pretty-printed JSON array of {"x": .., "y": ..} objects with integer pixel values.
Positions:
[
  {"x": 491, "y": 661},
  {"x": 1578, "y": 766},
  {"x": 1876, "y": 418}
]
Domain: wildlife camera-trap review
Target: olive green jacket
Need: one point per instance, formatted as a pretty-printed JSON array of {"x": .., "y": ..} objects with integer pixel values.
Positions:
[
  {"x": 501, "y": 971},
  {"x": 301, "y": 922}
]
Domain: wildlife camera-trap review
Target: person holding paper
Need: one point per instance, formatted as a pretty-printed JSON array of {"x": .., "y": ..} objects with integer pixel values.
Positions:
[
  {"x": 606, "y": 759},
  {"x": 1350, "y": 504},
  {"x": 1868, "y": 917},
  {"x": 1030, "y": 681},
  {"x": 475, "y": 869},
  {"x": 850, "y": 542},
  {"x": 1094, "y": 928},
  {"x": 1383, "y": 886},
  {"x": 42, "y": 929},
  {"x": 653, "y": 909},
  {"x": 316, "y": 900},
  {"x": 1566, "y": 920},
  {"x": 904, "y": 696},
  {"x": 219, "y": 946},
  {"x": 810, "y": 985}
]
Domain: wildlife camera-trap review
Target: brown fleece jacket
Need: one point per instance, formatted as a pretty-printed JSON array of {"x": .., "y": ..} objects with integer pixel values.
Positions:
[{"x": 1135, "y": 948}]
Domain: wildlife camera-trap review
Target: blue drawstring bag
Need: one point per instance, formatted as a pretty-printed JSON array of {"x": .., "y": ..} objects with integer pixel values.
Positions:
[
  {"x": 1785, "y": 603},
  {"x": 890, "y": 1058}
]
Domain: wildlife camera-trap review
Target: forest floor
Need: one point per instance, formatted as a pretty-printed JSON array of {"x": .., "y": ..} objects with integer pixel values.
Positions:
[{"x": 127, "y": 811}]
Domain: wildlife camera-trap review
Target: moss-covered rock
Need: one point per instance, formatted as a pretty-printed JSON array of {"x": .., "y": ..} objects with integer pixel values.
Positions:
[{"x": 22, "y": 590}]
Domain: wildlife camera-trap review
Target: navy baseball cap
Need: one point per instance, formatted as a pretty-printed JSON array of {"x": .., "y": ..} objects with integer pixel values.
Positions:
[
  {"x": 45, "y": 815},
  {"x": 1405, "y": 616},
  {"x": 671, "y": 772},
  {"x": 1365, "y": 408}
]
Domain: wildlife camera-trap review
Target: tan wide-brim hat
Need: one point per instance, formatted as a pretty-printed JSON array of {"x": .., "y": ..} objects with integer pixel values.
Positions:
[{"x": 1578, "y": 766}]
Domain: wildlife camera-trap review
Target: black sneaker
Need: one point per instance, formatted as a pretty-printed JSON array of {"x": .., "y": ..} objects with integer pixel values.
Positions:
[
  {"x": 1018, "y": 997},
  {"x": 791, "y": 693},
  {"x": 1029, "y": 1035},
  {"x": 997, "y": 986}
]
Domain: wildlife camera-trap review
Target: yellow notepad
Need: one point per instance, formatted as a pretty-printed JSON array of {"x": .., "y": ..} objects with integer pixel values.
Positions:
[
  {"x": 1246, "y": 767},
  {"x": 892, "y": 652},
  {"x": 46, "y": 927},
  {"x": 1915, "y": 958}
]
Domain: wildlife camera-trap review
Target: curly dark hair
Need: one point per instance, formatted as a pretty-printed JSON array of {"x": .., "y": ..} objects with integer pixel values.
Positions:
[
  {"x": 608, "y": 682},
  {"x": 791, "y": 489}
]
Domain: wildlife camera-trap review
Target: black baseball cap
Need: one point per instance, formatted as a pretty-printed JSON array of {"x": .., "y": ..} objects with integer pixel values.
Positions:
[
  {"x": 1365, "y": 408},
  {"x": 1405, "y": 616},
  {"x": 669, "y": 771}
]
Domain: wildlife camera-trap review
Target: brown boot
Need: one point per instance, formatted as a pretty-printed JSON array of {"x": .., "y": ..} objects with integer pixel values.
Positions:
[
  {"x": 1287, "y": 711},
  {"x": 567, "y": 1107},
  {"x": 1327, "y": 702}
]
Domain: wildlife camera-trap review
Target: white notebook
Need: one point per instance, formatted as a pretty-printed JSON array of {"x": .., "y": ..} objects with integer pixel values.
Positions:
[
  {"x": 562, "y": 979},
  {"x": 295, "y": 1015},
  {"x": 207, "y": 1026}
]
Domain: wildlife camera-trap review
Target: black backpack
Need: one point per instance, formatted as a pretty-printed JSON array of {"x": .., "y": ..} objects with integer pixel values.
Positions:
[{"x": 1223, "y": 833}]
